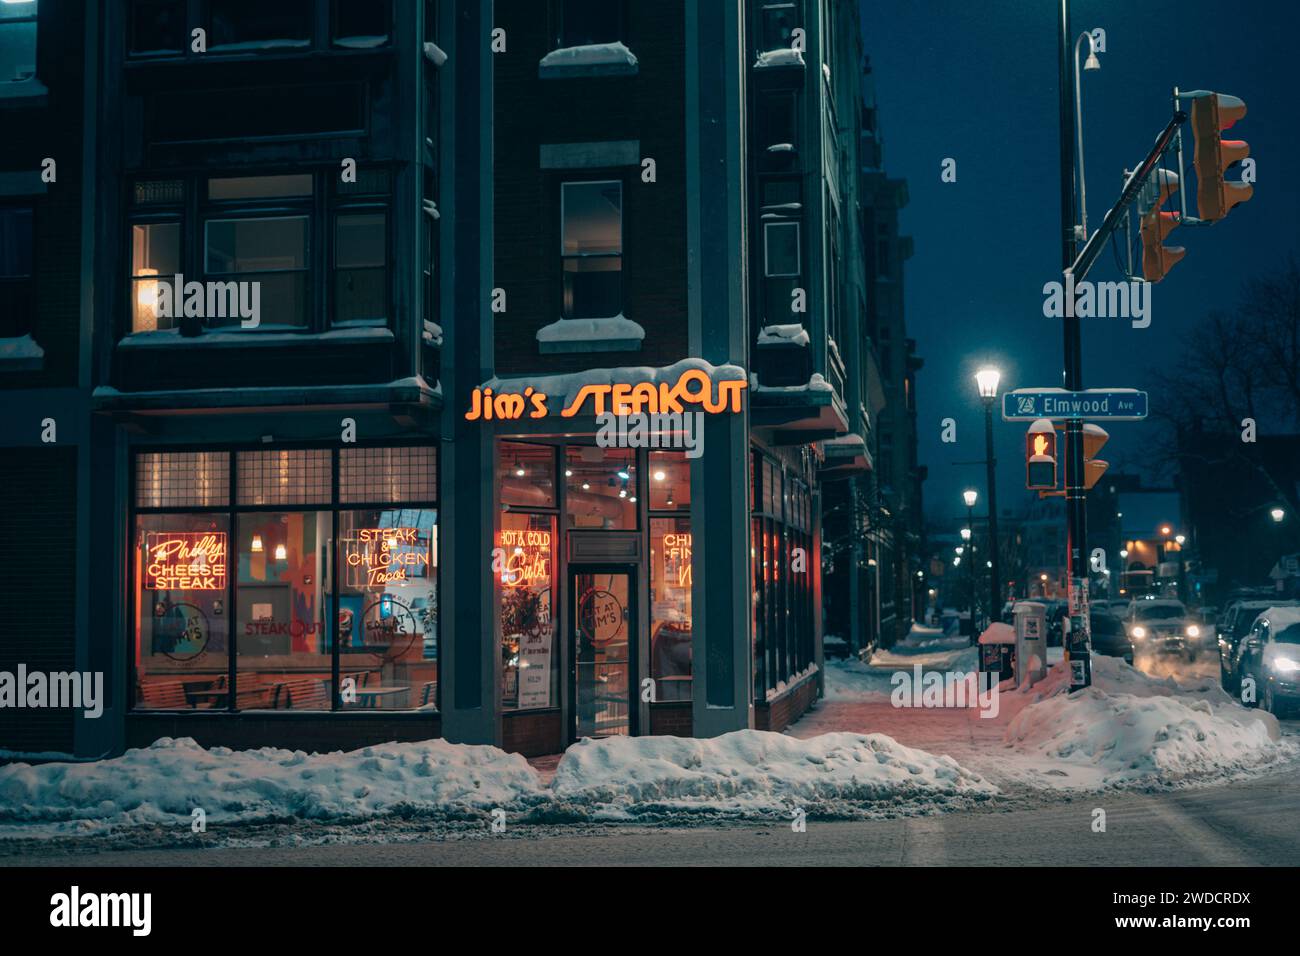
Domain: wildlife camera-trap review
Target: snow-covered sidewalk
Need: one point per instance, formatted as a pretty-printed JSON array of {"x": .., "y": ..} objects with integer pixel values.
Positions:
[
  {"x": 1128, "y": 729},
  {"x": 855, "y": 755}
]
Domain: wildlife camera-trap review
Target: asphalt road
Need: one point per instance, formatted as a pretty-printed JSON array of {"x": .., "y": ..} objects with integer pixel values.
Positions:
[{"x": 1245, "y": 823}]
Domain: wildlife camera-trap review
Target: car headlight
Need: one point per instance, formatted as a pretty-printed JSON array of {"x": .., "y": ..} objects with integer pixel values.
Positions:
[
  {"x": 1193, "y": 630},
  {"x": 1285, "y": 665},
  {"x": 1139, "y": 631}
]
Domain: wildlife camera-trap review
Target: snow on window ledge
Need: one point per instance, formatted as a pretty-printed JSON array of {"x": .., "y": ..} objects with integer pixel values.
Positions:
[
  {"x": 774, "y": 59},
  {"x": 614, "y": 334},
  {"x": 169, "y": 338},
  {"x": 794, "y": 334},
  {"x": 28, "y": 89},
  {"x": 21, "y": 354},
  {"x": 596, "y": 59}
]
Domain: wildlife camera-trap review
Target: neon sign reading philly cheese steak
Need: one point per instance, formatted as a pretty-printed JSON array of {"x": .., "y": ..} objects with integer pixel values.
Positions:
[{"x": 693, "y": 387}]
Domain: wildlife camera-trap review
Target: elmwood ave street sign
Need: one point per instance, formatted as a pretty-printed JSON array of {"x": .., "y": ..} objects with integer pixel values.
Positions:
[{"x": 1115, "y": 404}]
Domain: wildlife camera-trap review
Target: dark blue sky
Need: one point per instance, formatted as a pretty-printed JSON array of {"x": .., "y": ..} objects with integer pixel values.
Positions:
[{"x": 977, "y": 81}]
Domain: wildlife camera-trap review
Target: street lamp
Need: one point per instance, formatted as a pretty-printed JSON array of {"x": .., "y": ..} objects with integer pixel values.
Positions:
[
  {"x": 970, "y": 496},
  {"x": 986, "y": 380},
  {"x": 1277, "y": 514},
  {"x": 1092, "y": 63},
  {"x": 965, "y": 534}
]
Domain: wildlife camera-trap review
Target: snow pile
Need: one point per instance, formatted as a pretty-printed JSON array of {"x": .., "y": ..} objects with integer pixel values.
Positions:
[
  {"x": 754, "y": 772},
  {"x": 998, "y": 633},
  {"x": 165, "y": 782},
  {"x": 1128, "y": 728}
]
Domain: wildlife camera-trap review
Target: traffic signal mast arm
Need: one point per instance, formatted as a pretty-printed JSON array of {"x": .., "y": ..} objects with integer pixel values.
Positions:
[{"x": 1132, "y": 188}]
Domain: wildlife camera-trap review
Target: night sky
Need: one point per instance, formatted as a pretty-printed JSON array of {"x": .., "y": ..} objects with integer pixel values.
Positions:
[{"x": 977, "y": 81}]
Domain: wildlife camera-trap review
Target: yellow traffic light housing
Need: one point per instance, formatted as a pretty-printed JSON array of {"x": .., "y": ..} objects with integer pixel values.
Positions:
[
  {"x": 1211, "y": 114},
  {"x": 1094, "y": 437},
  {"x": 1157, "y": 258}
]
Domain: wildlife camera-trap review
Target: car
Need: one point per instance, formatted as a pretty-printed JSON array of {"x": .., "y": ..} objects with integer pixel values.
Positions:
[
  {"x": 1235, "y": 623},
  {"x": 1109, "y": 636},
  {"x": 1164, "y": 626},
  {"x": 1269, "y": 656},
  {"x": 1057, "y": 612}
]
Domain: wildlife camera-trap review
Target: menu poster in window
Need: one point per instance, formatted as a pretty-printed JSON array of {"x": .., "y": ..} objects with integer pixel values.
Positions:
[{"x": 535, "y": 668}]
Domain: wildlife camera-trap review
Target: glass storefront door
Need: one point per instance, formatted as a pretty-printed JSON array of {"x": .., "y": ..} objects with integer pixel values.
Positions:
[{"x": 604, "y": 651}]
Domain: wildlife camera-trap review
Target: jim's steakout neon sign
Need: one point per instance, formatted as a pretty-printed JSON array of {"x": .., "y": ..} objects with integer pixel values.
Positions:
[{"x": 693, "y": 390}]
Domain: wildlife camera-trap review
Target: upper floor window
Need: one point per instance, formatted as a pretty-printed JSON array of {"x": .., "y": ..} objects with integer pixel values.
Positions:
[
  {"x": 16, "y": 295},
  {"x": 361, "y": 23},
  {"x": 256, "y": 23},
  {"x": 778, "y": 24},
  {"x": 588, "y": 22},
  {"x": 261, "y": 242},
  {"x": 157, "y": 26},
  {"x": 17, "y": 40},
  {"x": 591, "y": 249}
]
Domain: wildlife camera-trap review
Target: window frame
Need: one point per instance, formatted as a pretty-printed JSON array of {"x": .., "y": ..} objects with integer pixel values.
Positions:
[
  {"x": 232, "y": 510},
  {"x": 34, "y": 19},
  {"x": 26, "y": 324},
  {"x": 620, "y": 256},
  {"x": 321, "y": 208}
]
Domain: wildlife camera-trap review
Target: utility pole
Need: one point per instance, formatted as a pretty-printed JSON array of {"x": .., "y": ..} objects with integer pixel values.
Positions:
[{"x": 1077, "y": 643}]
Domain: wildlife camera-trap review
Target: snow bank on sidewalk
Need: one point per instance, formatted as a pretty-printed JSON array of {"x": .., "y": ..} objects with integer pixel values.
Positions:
[
  {"x": 165, "y": 782},
  {"x": 754, "y": 772},
  {"x": 1131, "y": 729}
]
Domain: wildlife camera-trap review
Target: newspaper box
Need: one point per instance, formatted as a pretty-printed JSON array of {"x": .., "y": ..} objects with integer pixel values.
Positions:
[{"x": 997, "y": 650}]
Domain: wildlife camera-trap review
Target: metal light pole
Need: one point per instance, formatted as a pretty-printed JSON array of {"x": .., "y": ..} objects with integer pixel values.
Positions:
[
  {"x": 987, "y": 379},
  {"x": 1077, "y": 645},
  {"x": 968, "y": 552},
  {"x": 970, "y": 496}
]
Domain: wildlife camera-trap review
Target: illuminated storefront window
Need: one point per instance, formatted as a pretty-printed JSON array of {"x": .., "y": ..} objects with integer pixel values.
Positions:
[
  {"x": 601, "y": 488},
  {"x": 670, "y": 607},
  {"x": 325, "y": 560},
  {"x": 526, "y": 589}
]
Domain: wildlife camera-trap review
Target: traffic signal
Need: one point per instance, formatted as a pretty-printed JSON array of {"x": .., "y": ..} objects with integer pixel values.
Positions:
[
  {"x": 1094, "y": 436},
  {"x": 1211, "y": 114},
  {"x": 1040, "y": 456},
  {"x": 1157, "y": 258}
]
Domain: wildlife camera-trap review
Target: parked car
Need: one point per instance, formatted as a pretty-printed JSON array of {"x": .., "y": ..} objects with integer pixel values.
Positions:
[
  {"x": 1164, "y": 626},
  {"x": 1270, "y": 655},
  {"x": 1057, "y": 612},
  {"x": 1109, "y": 636},
  {"x": 1234, "y": 624}
]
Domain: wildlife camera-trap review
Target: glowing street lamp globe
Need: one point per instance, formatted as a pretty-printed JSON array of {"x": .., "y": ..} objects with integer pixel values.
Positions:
[
  {"x": 970, "y": 496},
  {"x": 986, "y": 379}
]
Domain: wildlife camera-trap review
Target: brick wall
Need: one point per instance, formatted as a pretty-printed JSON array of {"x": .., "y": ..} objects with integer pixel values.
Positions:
[
  {"x": 648, "y": 107},
  {"x": 780, "y": 713},
  {"x": 533, "y": 733},
  {"x": 38, "y": 600},
  {"x": 672, "y": 719}
]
